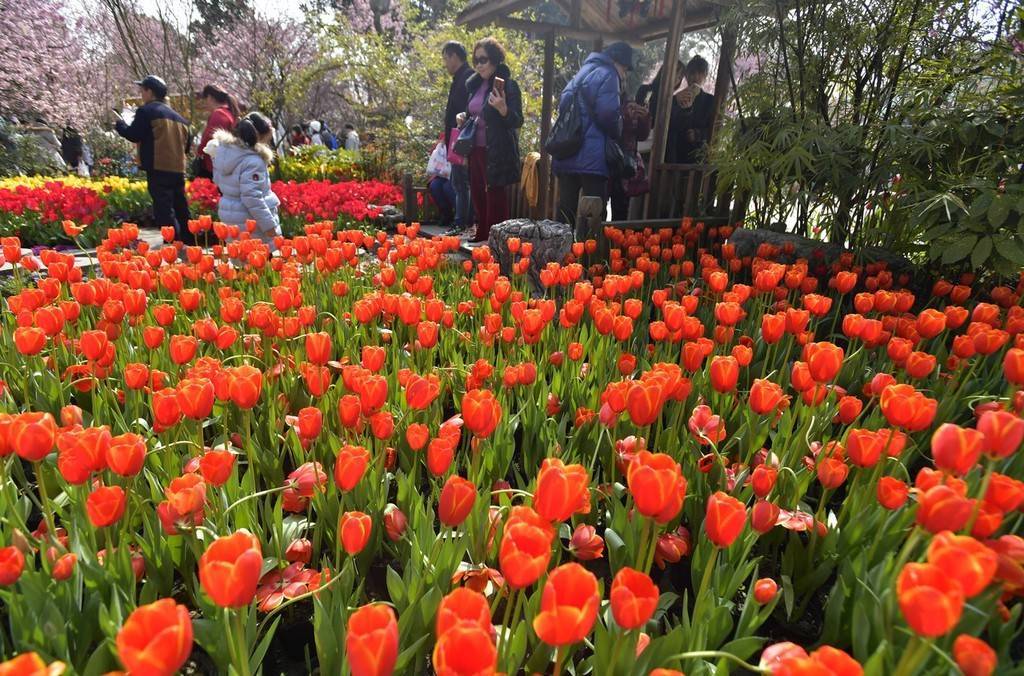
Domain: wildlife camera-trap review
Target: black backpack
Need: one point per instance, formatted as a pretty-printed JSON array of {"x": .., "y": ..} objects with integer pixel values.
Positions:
[{"x": 566, "y": 137}]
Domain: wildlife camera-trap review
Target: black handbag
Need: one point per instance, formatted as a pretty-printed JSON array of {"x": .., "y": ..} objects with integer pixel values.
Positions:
[
  {"x": 467, "y": 138},
  {"x": 620, "y": 165},
  {"x": 566, "y": 137}
]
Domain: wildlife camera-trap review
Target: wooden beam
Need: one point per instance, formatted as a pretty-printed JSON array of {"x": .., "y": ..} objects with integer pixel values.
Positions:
[
  {"x": 694, "y": 22},
  {"x": 545, "y": 27},
  {"x": 664, "y": 94},
  {"x": 485, "y": 12},
  {"x": 546, "y": 111}
]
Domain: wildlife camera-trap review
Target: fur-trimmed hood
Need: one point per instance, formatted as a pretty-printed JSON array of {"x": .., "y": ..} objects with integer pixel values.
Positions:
[
  {"x": 474, "y": 80},
  {"x": 231, "y": 149}
]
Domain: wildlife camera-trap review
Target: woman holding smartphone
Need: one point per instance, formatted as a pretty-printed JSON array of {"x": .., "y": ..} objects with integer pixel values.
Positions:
[{"x": 495, "y": 103}]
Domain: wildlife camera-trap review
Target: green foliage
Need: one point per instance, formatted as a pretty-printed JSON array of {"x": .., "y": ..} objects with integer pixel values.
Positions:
[
  {"x": 400, "y": 90},
  {"x": 888, "y": 124}
]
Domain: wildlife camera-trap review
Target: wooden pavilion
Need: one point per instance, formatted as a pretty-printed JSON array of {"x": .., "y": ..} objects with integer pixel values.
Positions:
[{"x": 677, "y": 190}]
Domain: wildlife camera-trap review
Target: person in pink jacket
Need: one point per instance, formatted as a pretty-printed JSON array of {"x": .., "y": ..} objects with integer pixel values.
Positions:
[{"x": 224, "y": 114}]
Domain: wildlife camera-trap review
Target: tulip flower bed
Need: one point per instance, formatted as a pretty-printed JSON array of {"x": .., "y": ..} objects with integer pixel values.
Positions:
[
  {"x": 34, "y": 209},
  {"x": 677, "y": 461}
]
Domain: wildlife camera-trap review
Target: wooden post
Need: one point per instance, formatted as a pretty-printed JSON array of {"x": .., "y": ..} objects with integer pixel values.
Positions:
[
  {"x": 723, "y": 78},
  {"x": 546, "y": 112},
  {"x": 664, "y": 94},
  {"x": 411, "y": 212}
]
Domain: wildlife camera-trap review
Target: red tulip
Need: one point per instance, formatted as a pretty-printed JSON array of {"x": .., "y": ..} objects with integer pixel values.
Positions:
[
  {"x": 310, "y": 422},
  {"x": 585, "y": 544},
  {"x": 562, "y": 490},
  {"x": 481, "y": 412},
  {"x": 724, "y": 372},
  {"x": 892, "y": 493},
  {"x": 974, "y": 656},
  {"x": 525, "y": 547},
  {"x": 195, "y": 398},
  {"x": 941, "y": 508},
  {"x": 105, "y": 505},
  {"x": 126, "y": 454},
  {"x": 465, "y": 649},
  {"x": 964, "y": 559},
  {"x": 216, "y": 466},
  {"x": 764, "y": 516},
  {"x": 725, "y": 519},
  {"x": 657, "y": 485},
  {"x": 371, "y": 642},
  {"x": 229, "y": 569},
  {"x": 245, "y": 386},
  {"x": 634, "y": 598},
  {"x": 395, "y": 522},
  {"x": 765, "y": 590},
  {"x": 456, "y": 501},
  {"x": 354, "y": 530},
  {"x": 12, "y": 563},
  {"x": 156, "y": 639},
  {"x": 29, "y": 340},
  {"x": 350, "y": 466},
  {"x": 32, "y": 435},
  {"x": 765, "y": 396},
  {"x": 569, "y": 606},
  {"x": 762, "y": 480},
  {"x": 931, "y": 601},
  {"x": 318, "y": 348},
  {"x": 1003, "y": 432},
  {"x": 956, "y": 449}
]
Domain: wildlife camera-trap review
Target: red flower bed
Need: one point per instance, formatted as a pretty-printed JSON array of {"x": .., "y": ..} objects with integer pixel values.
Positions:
[{"x": 677, "y": 460}]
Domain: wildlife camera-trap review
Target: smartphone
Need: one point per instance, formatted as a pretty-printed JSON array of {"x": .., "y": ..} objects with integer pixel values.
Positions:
[{"x": 499, "y": 85}]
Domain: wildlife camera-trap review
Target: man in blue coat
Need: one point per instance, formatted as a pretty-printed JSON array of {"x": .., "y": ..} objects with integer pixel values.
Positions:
[{"x": 599, "y": 84}]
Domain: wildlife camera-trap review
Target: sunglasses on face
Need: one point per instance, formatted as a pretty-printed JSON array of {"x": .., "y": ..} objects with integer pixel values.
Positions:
[{"x": 480, "y": 60}]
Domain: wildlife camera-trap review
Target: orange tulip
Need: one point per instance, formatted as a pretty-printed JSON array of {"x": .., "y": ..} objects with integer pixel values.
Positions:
[
  {"x": 956, "y": 449},
  {"x": 12, "y": 563},
  {"x": 216, "y": 466},
  {"x": 964, "y": 559},
  {"x": 892, "y": 493},
  {"x": 725, "y": 518},
  {"x": 30, "y": 664},
  {"x": 229, "y": 569},
  {"x": 461, "y": 607},
  {"x": 29, "y": 340},
  {"x": 644, "y": 401},
  {"x": 126, "y": 454},
  {"x": 156, "y": 639},
  {"x": 762, "y": 480},
  {"x": 765, "y": 590},
  {"x": 245, "y": 385},
  {"x": 1013, "y": 366},
  {"x": 481, "y": 411},
  {"x": 824, "y": 360},
  {"x": 166, "y": 410},
  {"x": 765, "y": 396},
  {"x": 942, "y": 508},
  {"x": 105, "y": 505},
  {"x": 318, "y": 348},
  {"x": 905, "y": 407},
  {"x": 456, "y": 501},
  {"x": 634, "y": 597},
  {"x": 562, "y": 490},
  {"x": 930, "y": 600},
  {"x": 525, "y": 547},
  {"x": 183, "y": 349},
  {"x": 657, "y": 485},
  {"x": 350, "y": 466},
  {"x": 974, "y": 656},
  {"x": 1003, "y": 432},
  {"x": 724, "y": 372},
  {"x": 354, "y": 530},
  {"x": 195, "y": 398},
  {"x": 32, "y": 435},
  {"x": 465, "y": 650},
  {"x": 864, "y": 447},
  {"x": 568, "y": 606},
  {"x": 371, "y": 642},
  {"x": 80, "y": 452}
]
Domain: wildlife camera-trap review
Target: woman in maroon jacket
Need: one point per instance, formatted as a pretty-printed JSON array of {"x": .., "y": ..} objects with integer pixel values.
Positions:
[{"x": 224, "y": 114}]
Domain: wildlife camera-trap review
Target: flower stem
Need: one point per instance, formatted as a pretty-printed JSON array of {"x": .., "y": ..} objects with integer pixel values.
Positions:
[{"x": 703, "y": 654}]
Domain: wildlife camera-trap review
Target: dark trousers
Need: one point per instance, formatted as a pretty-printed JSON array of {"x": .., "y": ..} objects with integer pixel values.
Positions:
[
  {"x": 444, "y": 196},
  {"x": 170, "y": 205},
  {"x": 619, "y": 200},
  {"x": 571, "y": 186},
  {"x": 463, "y": 205},
  {"x": 489, "y": 201}
]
